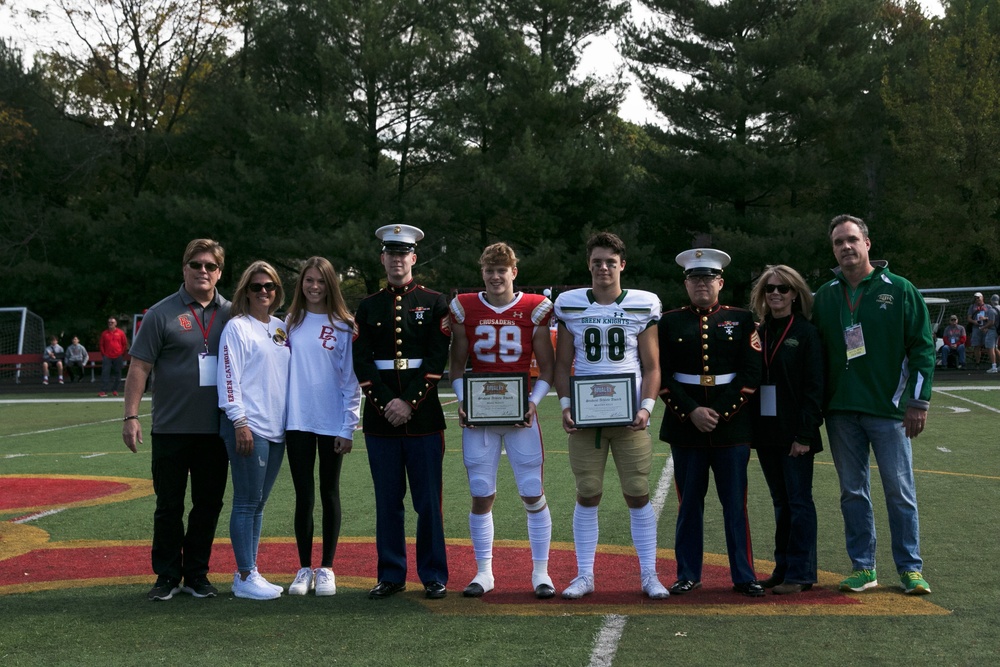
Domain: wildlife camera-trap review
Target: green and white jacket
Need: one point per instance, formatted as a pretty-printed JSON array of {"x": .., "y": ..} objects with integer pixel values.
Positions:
[{"x": 897, "y": 368}]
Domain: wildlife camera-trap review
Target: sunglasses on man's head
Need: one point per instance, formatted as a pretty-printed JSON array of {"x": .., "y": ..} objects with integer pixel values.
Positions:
[
  {"x": 256, "y": 287},
  {"x": 208, "y": 266},
  {"x": 782, "y": 289}
]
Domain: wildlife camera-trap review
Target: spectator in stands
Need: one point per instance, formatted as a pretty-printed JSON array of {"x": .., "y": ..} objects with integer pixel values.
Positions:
[
  {"x": 982, "y": 321},
  {"x": 52, "y": 356},
  {"x": 954, "y": 342},
  {"x": 113, "y": 346},
  {"x": 77, "y": 358}
]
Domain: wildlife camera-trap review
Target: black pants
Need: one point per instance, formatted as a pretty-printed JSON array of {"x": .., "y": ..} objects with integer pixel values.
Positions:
[
  {"x": 75, "y": 370},
  {"x": 178, "y": 553},
  {"x": 301, "y": 448}
]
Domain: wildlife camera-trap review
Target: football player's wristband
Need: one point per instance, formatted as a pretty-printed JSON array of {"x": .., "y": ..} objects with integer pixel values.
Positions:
[
  {"x": 539, "y": 391},
  {"x": 459, "y": 388},
  {"x": 648, "y": 404},
  {"x": 565, "y": 403}
]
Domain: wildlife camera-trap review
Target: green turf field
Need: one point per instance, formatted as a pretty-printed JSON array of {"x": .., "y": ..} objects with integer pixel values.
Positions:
[{"x": 69, "y": 620}]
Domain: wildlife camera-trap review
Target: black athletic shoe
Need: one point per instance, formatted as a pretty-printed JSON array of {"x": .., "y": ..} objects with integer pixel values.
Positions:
[
  {"x": 200, "y": 588},
  {"x": 164, "y": 589}
]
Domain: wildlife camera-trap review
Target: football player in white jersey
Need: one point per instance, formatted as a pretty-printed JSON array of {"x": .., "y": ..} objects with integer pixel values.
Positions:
[
  {"x": 605, "y": 330},
  {"x": 500, "y": 329}
]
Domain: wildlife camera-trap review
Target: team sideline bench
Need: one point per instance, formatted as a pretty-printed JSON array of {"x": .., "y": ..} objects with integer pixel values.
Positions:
[{"x": 30, "y": 365}]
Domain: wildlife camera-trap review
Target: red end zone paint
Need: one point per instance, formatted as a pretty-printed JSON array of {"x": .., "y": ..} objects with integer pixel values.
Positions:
[
  {"x": 17, "y": 493},
  {"x": 30, "y": 562}
]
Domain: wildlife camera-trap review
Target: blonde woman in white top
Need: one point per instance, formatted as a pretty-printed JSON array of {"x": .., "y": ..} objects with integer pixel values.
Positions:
[
  {"x": 324, "y": 405},
  {"x": 253, "y": 386}
]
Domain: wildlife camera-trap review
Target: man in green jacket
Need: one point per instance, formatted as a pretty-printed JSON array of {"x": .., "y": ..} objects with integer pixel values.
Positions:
[{"x": 880, "y": 360}]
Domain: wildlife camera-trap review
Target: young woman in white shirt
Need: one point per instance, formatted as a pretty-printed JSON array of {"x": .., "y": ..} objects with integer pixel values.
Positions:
[{"x": 324, "y": 405}]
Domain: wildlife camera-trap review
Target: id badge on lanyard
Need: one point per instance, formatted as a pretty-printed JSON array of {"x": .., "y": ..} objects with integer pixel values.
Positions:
[
  {"x": 208, "y": 366},
  {"x": 854, "y": 341},
  {"x": 768, "y": 400}
]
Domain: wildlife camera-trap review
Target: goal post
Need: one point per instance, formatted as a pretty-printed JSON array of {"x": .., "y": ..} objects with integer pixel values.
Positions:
[{"x": 21, "y": 332}]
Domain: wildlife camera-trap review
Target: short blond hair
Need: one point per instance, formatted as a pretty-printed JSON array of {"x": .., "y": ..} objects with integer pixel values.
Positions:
[{"x": 498, "y": 254}]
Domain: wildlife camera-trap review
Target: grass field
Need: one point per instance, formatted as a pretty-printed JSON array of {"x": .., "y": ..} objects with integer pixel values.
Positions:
[{"x": 54, "y": 611}]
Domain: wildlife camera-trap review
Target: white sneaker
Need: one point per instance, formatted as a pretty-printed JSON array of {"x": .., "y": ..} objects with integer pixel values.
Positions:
[
  {"x": 253, "y": 588},
  {"x": 275, "y": 587},
  {"x": 326, "y": 582},
  {"x": 303, "y": 582},
  {"x": 992, "y": 370},
  {"x": 652, "y": 587},
  {"x": 582, "y": 585}
]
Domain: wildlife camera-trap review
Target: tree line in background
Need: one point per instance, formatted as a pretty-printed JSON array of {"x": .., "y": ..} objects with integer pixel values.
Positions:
[{"x": 286, "y": 129}]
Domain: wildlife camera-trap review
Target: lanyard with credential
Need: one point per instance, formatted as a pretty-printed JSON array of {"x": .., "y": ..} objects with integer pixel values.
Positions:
[
  {"x": 768, "y": 360},
  {"x": 857, "y": 302},
  {"x": 204, "y": 331},
  {"x": 854, "y": 342}
]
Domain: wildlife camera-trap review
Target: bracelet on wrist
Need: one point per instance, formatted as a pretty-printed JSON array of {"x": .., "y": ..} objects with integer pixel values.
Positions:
[{"x": 136, "y": 417}]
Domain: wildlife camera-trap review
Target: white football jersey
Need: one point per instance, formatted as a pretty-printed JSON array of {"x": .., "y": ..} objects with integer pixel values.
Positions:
[{"x": 606, "y": 337}]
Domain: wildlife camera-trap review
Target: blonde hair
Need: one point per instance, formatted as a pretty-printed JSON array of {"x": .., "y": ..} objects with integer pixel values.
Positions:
[
  {"x": 335, "y": 306},
  {"x": 498, "y": 254},
  {"x": 241, "y": 299},
  {"x": 789, "y": 276}
]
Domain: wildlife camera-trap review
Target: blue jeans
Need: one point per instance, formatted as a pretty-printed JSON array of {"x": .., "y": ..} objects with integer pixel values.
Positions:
[
  {"x": 253, "y": 477},
  {"x": 850, "y": 435},
  {"x": 945, "y": 351},
  {"x": 111, "y": 373}
]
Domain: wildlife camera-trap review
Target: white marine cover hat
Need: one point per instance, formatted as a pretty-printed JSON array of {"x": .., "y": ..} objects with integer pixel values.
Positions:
[
  {"x": 399, "y": 238},
  {"x": 703, "y": 261}
]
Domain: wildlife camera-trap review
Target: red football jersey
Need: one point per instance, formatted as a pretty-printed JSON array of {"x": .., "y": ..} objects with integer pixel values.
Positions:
[{"x": 500, "y": 338}]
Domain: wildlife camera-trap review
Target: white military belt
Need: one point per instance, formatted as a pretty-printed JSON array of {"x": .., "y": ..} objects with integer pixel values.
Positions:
[
  {"x": 705, "y": 380},
  {"x": 397, "y": 364}
]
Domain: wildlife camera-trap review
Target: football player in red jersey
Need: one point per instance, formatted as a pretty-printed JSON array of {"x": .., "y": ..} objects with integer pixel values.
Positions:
[{"x": 498, "y": 329}]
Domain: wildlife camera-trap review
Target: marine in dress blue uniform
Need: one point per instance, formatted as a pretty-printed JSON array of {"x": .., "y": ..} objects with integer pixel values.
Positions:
[
  {"x": 400, "y": 352},
  {"x": 710, "y": 361}
]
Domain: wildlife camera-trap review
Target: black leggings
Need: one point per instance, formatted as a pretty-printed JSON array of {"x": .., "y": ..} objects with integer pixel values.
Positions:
[{"x": 301, "y": 447}]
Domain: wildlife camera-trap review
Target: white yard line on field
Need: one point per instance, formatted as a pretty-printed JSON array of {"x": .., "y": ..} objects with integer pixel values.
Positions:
[
  {"x": 38, "y": 515},
  {"x": 606, "y": 641},
  {"x": 967, "y": 400},
  {"x": 63, "y": 428}
]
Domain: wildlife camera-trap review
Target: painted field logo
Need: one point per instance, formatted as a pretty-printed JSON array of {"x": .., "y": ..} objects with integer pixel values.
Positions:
[
  {"x": 495, "y": 389},
  {"x": 602, "y": 390},
  {"x": 30, "y": 561}
]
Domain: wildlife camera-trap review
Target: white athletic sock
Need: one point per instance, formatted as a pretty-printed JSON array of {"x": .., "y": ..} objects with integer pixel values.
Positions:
[
  {"x": 644, "y": 536},
  {"x": 540, "y": 534},
  {"x": 481, "y": 532},
  {"x": 585, "y": 531}
]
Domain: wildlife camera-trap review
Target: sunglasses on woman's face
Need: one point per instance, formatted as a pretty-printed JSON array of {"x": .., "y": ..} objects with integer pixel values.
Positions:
[
  {"x": 256, "y": 287},
  {"x": 782, "y": 289}
]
